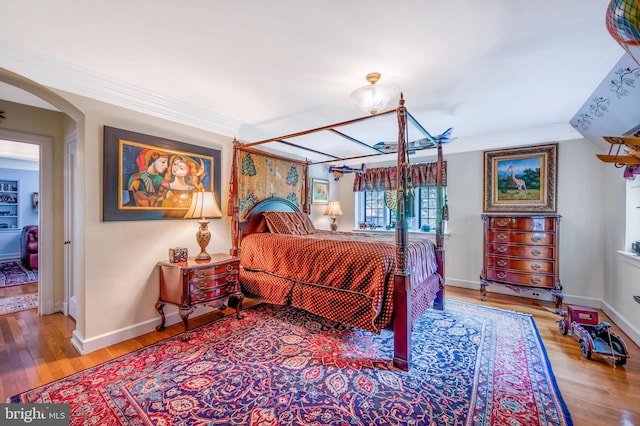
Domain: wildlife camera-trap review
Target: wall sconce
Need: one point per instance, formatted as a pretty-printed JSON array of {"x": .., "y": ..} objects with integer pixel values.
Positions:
[{"x": 35, "y": 198}]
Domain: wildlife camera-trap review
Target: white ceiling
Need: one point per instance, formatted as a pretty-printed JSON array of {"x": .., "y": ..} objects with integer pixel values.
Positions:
[{"x": 500, "y": 72}]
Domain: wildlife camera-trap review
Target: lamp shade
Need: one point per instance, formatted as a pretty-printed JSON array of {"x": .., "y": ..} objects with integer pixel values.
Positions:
[
  {"x": 203, "y": 205},
  {"x": 333, "y": 209},
  {"x": 373, "y": 98}
]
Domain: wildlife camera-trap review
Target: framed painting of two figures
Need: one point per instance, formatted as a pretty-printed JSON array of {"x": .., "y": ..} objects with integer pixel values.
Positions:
[
  {"x": 521, "y": 179},
  {"x": 149, "y": 178}
]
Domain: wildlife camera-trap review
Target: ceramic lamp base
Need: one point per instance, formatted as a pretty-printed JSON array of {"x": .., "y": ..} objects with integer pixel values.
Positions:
[{"x": 203, "y": 236}]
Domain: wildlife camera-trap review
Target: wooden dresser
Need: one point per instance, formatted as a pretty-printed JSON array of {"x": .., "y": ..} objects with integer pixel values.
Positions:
[
  {"x": 521, "y": 251},
  {"x": 189, "y": 284}
]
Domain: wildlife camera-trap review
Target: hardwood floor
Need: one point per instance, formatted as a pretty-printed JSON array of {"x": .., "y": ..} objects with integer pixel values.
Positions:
[
  {"x": 18, "y": 290},
  {"x": 35, "y": 350}
]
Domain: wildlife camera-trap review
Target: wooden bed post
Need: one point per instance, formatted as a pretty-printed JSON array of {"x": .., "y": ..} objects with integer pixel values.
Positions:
[
  {"x": 438, "y": 303},
  {"x": 233, "y": 202},
  {"x": 306, "y": 205},
  {"x": 402, "y": 279}
]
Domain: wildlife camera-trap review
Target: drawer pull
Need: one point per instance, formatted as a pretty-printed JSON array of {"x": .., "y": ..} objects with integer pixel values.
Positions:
[
  {"x": 200, "y": 274},
  {"x": 502, "y": 249},
  {"x": 536, "y": 238},
  {"x": 229, "y": 267},
  {"x": 535, "y": 252},
  {"x": 201, "y": 284},
  {"x": 535, "y": 266},
  {"x": 501, "y": 237},
  {"x": 503, "y": 222},
  {"x": 201, "y": 296},
  {"x": 502, "y": 263},
  {"x": 502, "y": 275},
  {"x": 536, "y": 280},
  {"x": 230, "y": 278}
]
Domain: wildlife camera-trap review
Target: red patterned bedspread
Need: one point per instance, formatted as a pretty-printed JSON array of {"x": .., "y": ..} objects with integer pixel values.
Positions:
[{"x": 347, "y": 277}]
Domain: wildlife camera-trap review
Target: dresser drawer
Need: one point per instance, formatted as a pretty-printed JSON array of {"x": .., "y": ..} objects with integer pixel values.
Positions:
[
  {"x": 209, "y": 294},
  {"x": 523, "y": 265},
  {"x": 521, "y": 278},
  {"x": 545, "y": 238},
  {"x": 212, "y": 281},
  {"x": 218, "y": 270},
  {"x": 531, "y": 252},
  {"x": 523, "y": 223}
]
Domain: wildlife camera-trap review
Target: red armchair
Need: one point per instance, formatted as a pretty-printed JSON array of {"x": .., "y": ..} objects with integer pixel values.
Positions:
[{"x": 29, "y": 246}]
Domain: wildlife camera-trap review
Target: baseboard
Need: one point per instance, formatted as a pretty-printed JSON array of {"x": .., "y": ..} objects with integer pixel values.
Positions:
[
  {"x": 10, "y": 256},
  {"x": 85, "y": 346}
]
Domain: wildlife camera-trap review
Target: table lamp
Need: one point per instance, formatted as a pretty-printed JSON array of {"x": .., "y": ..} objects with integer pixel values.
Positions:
[
  {"x": 333, "y": 210},
  {"x": 203, "y": 206}
]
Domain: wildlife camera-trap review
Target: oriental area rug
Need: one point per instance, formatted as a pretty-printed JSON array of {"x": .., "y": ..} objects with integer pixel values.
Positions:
[
  {"x": 23, "y": 302},
  {"x": 471, "y": 365},
  {"x": 14, "y": 273}
]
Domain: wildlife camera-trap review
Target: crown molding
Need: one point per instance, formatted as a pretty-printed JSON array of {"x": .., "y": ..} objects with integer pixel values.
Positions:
[{"x": 60, "y": 75}]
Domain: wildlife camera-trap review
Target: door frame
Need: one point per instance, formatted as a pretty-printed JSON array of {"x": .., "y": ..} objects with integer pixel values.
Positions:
[
  {"x": 46, "y": 303},
  {"x": 70, "y": 226}
]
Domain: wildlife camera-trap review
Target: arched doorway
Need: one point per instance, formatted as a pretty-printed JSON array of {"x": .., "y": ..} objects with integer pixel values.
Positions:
[{"x": 47, "y": 304}]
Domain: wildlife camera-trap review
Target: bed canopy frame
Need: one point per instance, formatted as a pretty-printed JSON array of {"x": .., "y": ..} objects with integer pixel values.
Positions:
[{"x": 402, "y": 285}]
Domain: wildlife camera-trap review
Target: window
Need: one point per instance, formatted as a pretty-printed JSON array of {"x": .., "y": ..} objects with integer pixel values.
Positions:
[
  {"x": 376, "y": 209},
  {"x": 633, "y": 214}
]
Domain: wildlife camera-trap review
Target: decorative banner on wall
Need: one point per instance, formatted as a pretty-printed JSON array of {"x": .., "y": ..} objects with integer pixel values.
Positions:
[{"x": 262, "y": 177}]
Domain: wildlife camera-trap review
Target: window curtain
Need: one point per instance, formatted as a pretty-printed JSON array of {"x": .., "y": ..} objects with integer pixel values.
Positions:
[{"x": 386, "y": 178}]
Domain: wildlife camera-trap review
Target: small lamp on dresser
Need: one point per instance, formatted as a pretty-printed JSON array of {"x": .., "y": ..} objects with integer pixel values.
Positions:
[
  {"x": 333, "y": 210},
  {"x": 203, "y": 206}
]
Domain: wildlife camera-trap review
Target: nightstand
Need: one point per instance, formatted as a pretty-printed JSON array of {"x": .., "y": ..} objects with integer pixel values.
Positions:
[{"x": 189, "y": 284}]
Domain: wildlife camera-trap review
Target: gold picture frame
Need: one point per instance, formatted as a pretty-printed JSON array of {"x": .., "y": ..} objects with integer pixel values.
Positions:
[
  {"x": 521, "y": 179},
  {"x": 131, "y": 192}
]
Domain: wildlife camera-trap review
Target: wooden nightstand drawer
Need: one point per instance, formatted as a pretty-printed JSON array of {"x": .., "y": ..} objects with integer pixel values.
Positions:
[
  {"x": 209, "y": 294},
  {"x": 212, "y": 281},
  {"x": 229, "y": 268}
]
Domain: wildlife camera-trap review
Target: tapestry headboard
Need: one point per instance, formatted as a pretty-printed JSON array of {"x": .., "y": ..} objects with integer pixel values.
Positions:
[{"x": 262, "y": 176}]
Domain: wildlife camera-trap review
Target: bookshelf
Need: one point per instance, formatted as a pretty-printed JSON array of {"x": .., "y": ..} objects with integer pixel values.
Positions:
[{"x": 9, "y": 205}]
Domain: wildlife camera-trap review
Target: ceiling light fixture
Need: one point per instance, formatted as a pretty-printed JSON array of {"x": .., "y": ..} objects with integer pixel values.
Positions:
[{"x": 374, "y": 97}]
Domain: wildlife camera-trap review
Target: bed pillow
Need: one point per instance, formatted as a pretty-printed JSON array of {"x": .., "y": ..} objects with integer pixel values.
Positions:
[{"x": 292, "y": 223}]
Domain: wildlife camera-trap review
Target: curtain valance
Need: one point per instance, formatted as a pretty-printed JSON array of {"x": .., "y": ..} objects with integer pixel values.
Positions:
[{"x": 386, "y": 178}]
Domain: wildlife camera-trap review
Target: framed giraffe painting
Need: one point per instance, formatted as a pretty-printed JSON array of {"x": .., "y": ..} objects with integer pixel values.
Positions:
[{"x": 521, "y": 179}]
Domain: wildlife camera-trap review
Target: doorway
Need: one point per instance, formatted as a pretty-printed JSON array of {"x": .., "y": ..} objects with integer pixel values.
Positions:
[
  {"x": 19, "y": 194},
  {"x": 45, "y": 214}
]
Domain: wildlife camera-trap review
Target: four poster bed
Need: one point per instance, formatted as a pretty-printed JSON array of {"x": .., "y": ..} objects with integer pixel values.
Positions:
[{"x": 358, "y": 279}]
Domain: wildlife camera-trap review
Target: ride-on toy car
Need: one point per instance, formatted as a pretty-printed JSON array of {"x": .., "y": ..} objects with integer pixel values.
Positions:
[{"x": 594, "y": 338}]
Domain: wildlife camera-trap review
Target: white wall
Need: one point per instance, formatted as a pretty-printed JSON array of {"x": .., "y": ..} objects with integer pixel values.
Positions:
[
  {"x": 119, "y": 284},
  {"x": 622, "y": 273}
]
